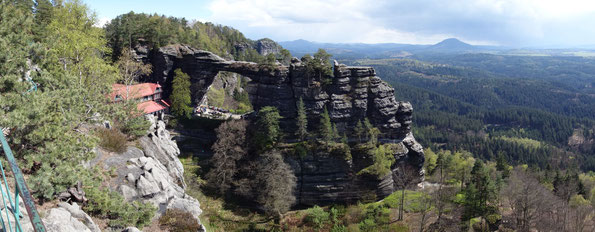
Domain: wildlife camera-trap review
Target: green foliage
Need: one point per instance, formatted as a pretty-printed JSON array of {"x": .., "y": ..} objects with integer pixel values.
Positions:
[
  {"x": 180, "y": 97},
  {"x": 319, "y": 66},
  {"x": 326, "y": 127},
  {"x": 216, "y": 97},
  {"x": 479, "y": 192},
  {"x": 316, "y": 216},
  {"x": 338, "y": 228},
  {"x": 125, "y": 31},
  {"x": 176, "y": 220},
  {"x": 269, "y": 132},
  {"x": 509, "y": 106},
  {"x": 243, "y": 99},
  {"x": 112, "y": 139},
  {"x": 300, "y": 150},
  {"x": 383, "y": 159},
  {"x": 301, "y": 121},
  {"x": 135, "y": 126},
  {"x": 43, "y": 16},
  {"x": 111, "y": 205},
  {"x": 73, "y": 81},
  {"x": 339, "y": 149},
  {"x": 285, "y": 56},
  {"x": 412, "y": 200}
]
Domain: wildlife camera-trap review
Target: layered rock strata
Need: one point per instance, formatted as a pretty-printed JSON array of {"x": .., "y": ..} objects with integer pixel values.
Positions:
[{"x": 350, "y": 95}]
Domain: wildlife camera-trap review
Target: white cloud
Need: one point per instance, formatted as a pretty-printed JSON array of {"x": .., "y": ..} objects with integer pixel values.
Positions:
[{"x": 507, "y": 22}]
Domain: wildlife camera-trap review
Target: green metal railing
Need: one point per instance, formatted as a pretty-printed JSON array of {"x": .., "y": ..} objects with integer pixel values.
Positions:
[{"x": 10, "y": 203}]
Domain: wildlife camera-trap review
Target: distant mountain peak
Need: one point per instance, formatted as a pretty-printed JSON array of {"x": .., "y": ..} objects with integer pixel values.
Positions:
[
  {"x": 452, "y": 41},
  {"x": 452, "y": 44}
]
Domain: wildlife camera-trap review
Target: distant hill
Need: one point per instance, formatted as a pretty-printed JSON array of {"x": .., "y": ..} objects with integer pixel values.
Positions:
[
  {"x": 451, "y": 45},
  {"x": 383, "y": 50}
]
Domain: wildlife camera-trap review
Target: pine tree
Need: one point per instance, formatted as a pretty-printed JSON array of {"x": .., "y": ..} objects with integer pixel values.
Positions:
[
  {"x": 335, "y": 134},
  {"x": 268, "y": 132},
  {"x": 301, "y": 121},
  {"x": 477, "y": 194},
  {"x": 43, "y": 17},
  {"x": 326, "y": 127},
  {"x": 502, "y": 165},
  {"x": 180, "y": 97},
  {"x": 374, "y": 133},
  {"x": 73, "y": 82}
]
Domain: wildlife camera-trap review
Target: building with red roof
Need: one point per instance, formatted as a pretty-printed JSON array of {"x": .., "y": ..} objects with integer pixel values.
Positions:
[{"x": 148, "y": 95}]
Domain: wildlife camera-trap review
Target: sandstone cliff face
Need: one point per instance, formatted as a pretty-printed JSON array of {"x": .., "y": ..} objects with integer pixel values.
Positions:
[
  {"x": 152, "y": 173},
  {"x": 354, "y": 93},
  {"x": 267, "y": 46}
]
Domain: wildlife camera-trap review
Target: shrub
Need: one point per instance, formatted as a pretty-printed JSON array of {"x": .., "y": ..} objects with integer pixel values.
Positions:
[
  {"x": 300, "y": 150},
  {"x": 316, "y": 216},
  {"x": 112, "y": 139},
  {"x": 378, "y": 213},
  {"x": 136, "y": 126},
  {"x": 353, "y": 228},
  {"x": 353, "y": 214},
  {"x": 175, "y": 220},
  {"x": 339, "y": 228},
  {"x": 108, "y": 204},
  {"x": 368, "y": 225}
]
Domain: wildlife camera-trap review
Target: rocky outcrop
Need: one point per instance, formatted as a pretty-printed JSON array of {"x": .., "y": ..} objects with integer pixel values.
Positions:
[
  {"x": 67, "y": 217},
  {"x": 63, "y": 218},
  {"x": 151, "y": 173},
  {"x": 325, "y": 178},
  {"x": 350, "y": 95},
  {"x": 267, "y": 46}
]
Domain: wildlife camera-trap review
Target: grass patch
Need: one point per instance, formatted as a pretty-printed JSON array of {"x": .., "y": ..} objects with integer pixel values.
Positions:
[
  {"x": 175, "y": 220},
  {"x": 412, "y": 201},
  {"x": 112, "y": 139}
]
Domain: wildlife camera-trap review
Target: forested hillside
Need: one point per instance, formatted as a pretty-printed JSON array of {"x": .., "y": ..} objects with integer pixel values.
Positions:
[
  {"x": 483, "y": 105},
  {"x": 127, "y": 30}
]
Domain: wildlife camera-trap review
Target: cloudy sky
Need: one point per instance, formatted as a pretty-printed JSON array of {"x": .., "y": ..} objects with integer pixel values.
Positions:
[{"x": 549, "y": 23}]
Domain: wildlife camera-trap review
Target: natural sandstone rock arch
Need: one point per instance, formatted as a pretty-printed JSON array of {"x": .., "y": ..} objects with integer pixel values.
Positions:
[{"x": 355, "y": 93}]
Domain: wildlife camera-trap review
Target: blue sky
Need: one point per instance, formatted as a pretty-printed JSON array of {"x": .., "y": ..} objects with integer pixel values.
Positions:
[{"x": 549, "y": 23}]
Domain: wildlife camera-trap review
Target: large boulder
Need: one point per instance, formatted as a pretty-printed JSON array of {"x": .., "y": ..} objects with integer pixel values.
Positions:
[{"x": 69, "y": 218}]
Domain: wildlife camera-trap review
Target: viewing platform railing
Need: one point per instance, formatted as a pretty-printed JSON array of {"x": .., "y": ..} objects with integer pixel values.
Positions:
[{"x": 11, "y": 217}]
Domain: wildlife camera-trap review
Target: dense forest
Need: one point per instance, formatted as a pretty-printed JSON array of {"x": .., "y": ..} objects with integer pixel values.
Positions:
[
  {"x": 128, "y": 30},
  {"x": 531, "y": 120}
]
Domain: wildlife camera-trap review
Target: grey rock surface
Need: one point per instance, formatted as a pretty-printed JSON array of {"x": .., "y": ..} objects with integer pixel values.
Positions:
[
  {"x": 151, "y": 174},
  {"x": 67, "y": 217}
]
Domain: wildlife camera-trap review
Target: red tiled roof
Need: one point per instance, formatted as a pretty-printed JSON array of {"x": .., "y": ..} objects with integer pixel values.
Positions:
[
  {"x": 134, "y": 91},
  {"x": 165, "y": 103},
  {"x": 149, "y": 107}
]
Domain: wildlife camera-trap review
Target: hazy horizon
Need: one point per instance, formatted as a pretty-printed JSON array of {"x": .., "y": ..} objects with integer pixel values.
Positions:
[{"x": 509, "y": 23}]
